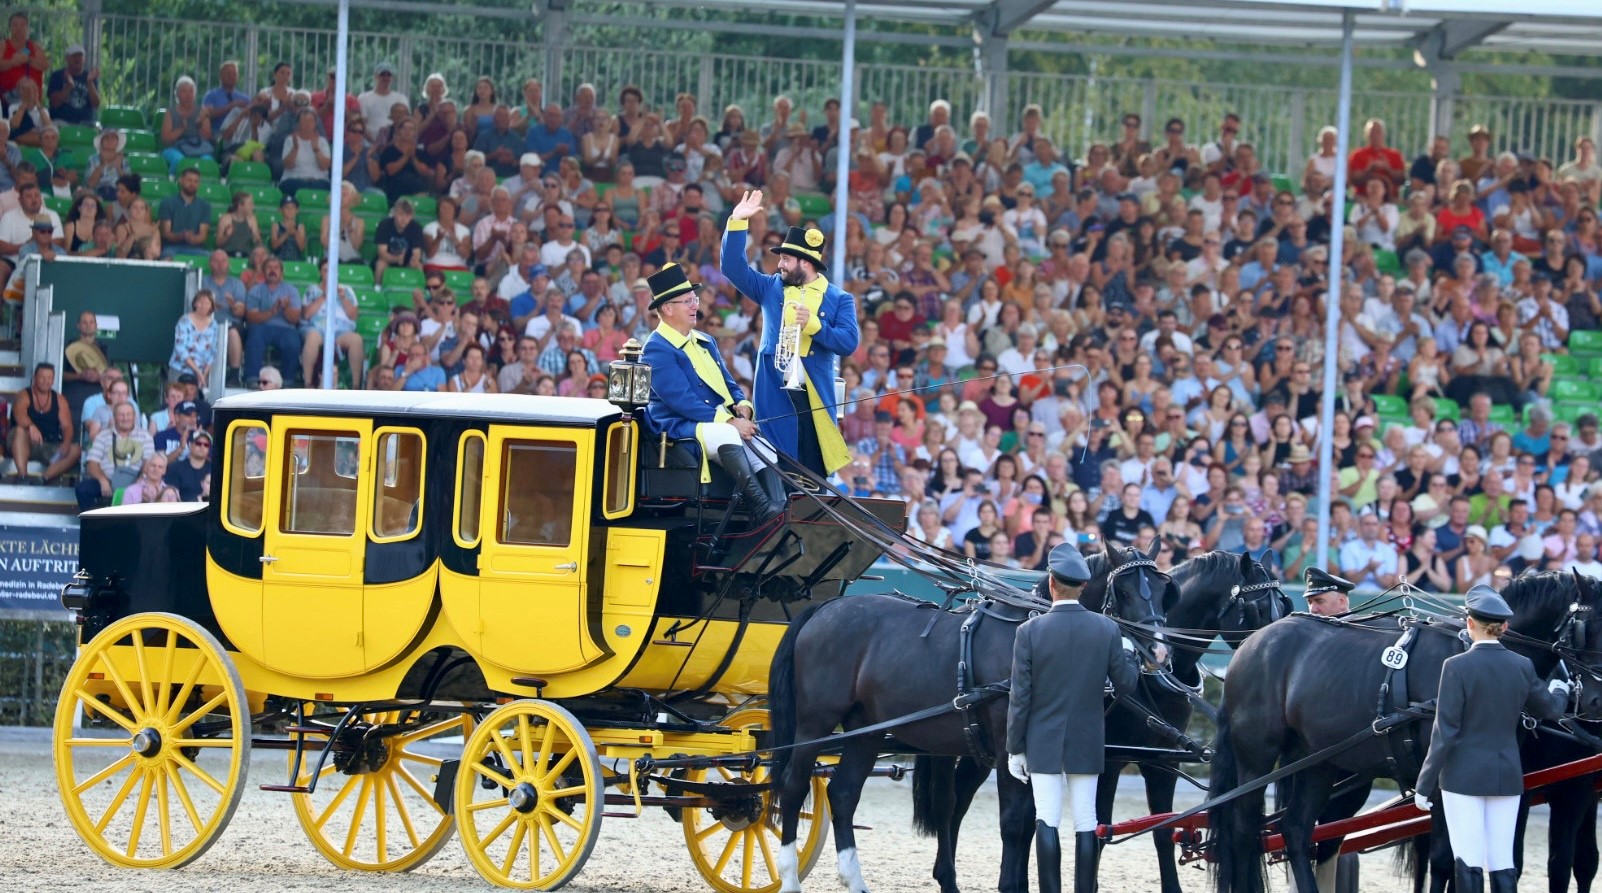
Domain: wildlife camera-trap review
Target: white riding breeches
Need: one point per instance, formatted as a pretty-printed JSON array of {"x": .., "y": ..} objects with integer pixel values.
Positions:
[
  {"x": 715, "y": 435},
  {"x": 1481, "y": 829},
  {"x": 1081, "y": 791}
]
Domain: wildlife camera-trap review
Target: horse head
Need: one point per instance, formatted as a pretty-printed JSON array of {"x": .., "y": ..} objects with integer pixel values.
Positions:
[
  {"x": 1580, "y": 645},
  {"x": 1550, "y": 611},
  {"x": 1256, "y": 601},
  {"x": 1128, "y": 587}
]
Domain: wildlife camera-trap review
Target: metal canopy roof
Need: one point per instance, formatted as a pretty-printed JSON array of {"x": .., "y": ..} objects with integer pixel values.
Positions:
[{"x": 1553, "y": 26}]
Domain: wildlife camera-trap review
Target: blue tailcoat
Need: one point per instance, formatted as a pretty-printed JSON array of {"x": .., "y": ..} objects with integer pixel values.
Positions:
[
  {"x": 837, "y": 338},
  {"x": 679, "y": 398}
]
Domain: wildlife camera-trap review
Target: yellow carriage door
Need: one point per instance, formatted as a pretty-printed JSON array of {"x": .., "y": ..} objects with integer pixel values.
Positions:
[
  {"x": 318, "y": 503},
  {"x": 532, "y": 565}
]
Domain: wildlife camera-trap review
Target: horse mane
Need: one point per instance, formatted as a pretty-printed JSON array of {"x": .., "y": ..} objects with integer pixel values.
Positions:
[
  {"x": 1543, "y": 592},
  {"x": 1215, "y": 562}
]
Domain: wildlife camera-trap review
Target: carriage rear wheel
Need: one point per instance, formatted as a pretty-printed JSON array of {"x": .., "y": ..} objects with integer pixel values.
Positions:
[
  {"x": 529, "y": 796},
  {"x": 735, "y": 845},
  {"x": 374, "y": 807},
  {"x": 156, "y": 777}
]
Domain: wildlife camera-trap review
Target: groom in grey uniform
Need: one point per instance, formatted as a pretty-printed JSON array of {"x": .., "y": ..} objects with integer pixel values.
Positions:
[{"x": 1055, "y": 729}]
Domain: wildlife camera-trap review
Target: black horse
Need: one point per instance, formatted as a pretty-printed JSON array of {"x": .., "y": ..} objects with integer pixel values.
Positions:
[
  {"x": 854, "y": 662},
  {"x": 1305, "y": 684},
  {"x": 1222, "y": 591}
]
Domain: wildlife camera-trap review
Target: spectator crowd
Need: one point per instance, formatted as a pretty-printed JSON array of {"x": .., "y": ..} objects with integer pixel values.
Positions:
[{"x": 1115, "y": 341}]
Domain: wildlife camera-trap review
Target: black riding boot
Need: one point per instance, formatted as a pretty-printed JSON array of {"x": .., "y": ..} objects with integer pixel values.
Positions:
[
  {"x": 1048, "y": 857},
  {"x": 1505, "y": 880},
  {"x": 1087, "y": 853},
  {"x": 773, "y": 485},
  {"x": 747, "y": 487},
  {"x": 1470, "y": 880}
]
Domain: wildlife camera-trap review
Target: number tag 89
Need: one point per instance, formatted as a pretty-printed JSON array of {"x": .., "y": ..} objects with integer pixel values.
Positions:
[{"x": 1393, "y": 658}]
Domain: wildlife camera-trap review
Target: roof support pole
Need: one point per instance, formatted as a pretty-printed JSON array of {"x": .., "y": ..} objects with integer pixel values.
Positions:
[
  {"x": 554, "y": 33},
  {"x": 1445, "y": 85},
  {"x": 990, "y": 65},
  {"x": 1332, "y": 300},
  {"x": 844, "y": 154},
  {"x": 336, "y": 183}
]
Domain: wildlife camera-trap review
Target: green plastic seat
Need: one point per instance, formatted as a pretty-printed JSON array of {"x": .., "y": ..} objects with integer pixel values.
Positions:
[
  {"x": 238, "y": 265},
  {"x": 1388, "y": 262},
  {"x": 1572, "y": 389},
  {"x": 147, "y": 165},
  {"x": 35, "y": 156},
  {"x": 399, "y": 297},
  {"x": 1562, "y": 363},
  {"x": 813, "y": 204},
  {"x": 370, "y": 301},
  {"x": 1586, "y": 342},
  {"x": 267, "y": 197},
  {"x": 356, "y": 275},
  {"x": 154, "y": 189},
  {"x": 459, "y": 281},
  {"x": 314, "y": 231},
  {"x": 249, "y": 173},
  {"x": 300, "y": 271},
  {"x": 266, "y": 217},
  {"x": 1571, "y": 412},
  {"x": 82, "y": 135},
  {"x": 403, "y": 277},
  {"x": 198, "y": 261},
  {"x": 1283, "y": 183},
  {"x": 1593, "y": 366},
  {"x": 1502, "y": 414},
  {"x": 123, "y": 117},
  {"x": 220, "y": 196},
  {"x": 62, "y": 206},
  {"x": 371, "y": 327},
  {"x": 208, "y": 168},
  {"x": 141, "y": 141},
  {"x": 312, "y": 198},
  {"x": 1447, "y": 408},
  {"x": 374, "y": 202},
  {"x": 424, "y": 205},
  {"x": 1390, "y": 405}
]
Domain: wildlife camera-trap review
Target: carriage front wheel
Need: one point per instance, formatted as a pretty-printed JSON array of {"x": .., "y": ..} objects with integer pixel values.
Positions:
[
  {"x": 735, "y": 844},
  {"x": 153, "y": 775},
  {"x": 374, "y": 807},
  {"x": 529, "y": 796}
]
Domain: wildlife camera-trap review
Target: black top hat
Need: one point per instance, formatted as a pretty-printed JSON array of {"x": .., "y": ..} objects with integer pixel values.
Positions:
[
  {"x": 804, "y": 243},
  {"x": 668, "y": 283}
]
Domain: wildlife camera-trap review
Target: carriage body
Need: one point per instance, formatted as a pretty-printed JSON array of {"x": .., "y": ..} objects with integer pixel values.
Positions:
[{"x": 391, "y": 567}]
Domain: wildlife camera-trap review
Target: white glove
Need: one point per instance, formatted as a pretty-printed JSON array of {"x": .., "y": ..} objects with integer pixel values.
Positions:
[
  {"x": 1018, "y": 766},
  {"x": 1422, "y": 802},
  {"x": 1559, "y": 687}
]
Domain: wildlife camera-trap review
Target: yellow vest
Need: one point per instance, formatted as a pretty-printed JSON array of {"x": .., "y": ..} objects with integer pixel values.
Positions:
[{"x": 831, "y": 443}]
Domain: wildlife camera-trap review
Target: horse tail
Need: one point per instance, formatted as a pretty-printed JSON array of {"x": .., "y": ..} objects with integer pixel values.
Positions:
[
  {"x": 781, "y": 696},
  {"x": 933, "y": 793},
  {"x": 1234, "y": 828}
]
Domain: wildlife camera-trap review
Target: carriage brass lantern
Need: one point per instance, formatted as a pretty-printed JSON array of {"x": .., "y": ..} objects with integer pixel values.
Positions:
[{"x": 628, "y": 381}]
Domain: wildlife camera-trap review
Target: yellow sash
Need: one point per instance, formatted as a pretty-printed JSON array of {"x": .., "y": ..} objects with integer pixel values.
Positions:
[
  {"x": 831, "y": 443},
  {"x": 707, "y": 368}
]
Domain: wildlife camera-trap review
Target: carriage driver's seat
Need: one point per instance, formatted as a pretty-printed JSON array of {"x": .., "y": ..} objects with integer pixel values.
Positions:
[{"x": 675, "y": 473}]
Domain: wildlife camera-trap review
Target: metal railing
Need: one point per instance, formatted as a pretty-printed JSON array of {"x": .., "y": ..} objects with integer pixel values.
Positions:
[{"x": 142, "y": 57}]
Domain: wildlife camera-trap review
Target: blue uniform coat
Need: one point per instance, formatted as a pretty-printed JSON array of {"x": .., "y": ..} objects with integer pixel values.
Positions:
[
  {"x": 837, "y": 338},
  {"x": 679, "y": 398}
]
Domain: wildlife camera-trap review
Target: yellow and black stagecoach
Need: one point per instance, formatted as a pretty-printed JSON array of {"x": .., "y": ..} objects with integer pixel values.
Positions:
[{"x": 454, "y": 613}]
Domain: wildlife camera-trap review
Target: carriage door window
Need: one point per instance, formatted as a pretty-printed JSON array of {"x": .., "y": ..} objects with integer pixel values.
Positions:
[
  {"x": 246, "y": 477},
  {"x": 620, "y": 465},
  {"x": 398, "y": 485},
  {"x": 469, "y": 488},
  {"x": 537, "y": 478},
  {"x": 320, "y": 482}
]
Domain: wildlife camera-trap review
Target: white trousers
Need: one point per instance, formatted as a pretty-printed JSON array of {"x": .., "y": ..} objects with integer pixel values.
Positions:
[
  {"x": 1481, "y": 829},
  {"x": 715, "y": 435},
  {"x": 1048, "y": 792}
]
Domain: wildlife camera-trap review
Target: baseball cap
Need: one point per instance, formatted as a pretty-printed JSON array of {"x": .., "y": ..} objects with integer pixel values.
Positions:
[
  {"x": 384, "y": 68},
  {"x": 530, "y": 158},
  {"x": 188, "y": 378},
  {"x": 200, "y": 434},
  {"x": 641, "y": 283},
  {"x": 187, "y": 407},
  {"x": 1364, "y": 422},
  {"x": 43, "y": 221},
  {"x": 75, "y": 50}
]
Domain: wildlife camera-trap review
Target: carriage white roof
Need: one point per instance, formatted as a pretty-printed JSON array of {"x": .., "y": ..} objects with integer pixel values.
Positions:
[{"x": 487, "y": 407}]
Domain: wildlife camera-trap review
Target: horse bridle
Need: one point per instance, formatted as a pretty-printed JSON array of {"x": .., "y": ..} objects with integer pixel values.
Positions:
[
  {"x": 1251, "y": 611},
  {"x": 1110, "y": 602}
]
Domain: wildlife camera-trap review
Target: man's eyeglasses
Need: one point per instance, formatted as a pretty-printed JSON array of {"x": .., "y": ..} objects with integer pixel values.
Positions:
[
  {"x": 1284, "y": 348},
  {"x": 1175, "y": 131},
  {"x": 690, "y": 299}
]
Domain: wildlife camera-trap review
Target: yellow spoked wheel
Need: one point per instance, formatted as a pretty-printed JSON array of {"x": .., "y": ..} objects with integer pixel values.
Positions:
[
  {"x": 154, "y": 781},
  {"x": 529, "y": 796},
  {"x": 735, "y": 846},
  {"x": 374, "y": 807}
]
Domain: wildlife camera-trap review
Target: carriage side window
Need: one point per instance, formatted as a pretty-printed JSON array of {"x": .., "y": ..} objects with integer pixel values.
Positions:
[
  {"x": 537, "y": 492},
  {"x": 619, "y": 469},
  {"x": 469, "y": 487},
  {"x": 398, "y": 485},
  {"x": 320, "y": 483},
  {"x": 247, "y": 476}
]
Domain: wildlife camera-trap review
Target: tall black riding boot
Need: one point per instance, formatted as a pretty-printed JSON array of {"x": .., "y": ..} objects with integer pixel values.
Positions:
[
  {"x": 1469, "y": 880},
  {"x": 747, "y": 487},
  {"x": 1505, "y": 881},
  {"x": 1087, "y": 853},
  {"x": 773, "y": 485},
  {"x": 1048, "y": 857}
]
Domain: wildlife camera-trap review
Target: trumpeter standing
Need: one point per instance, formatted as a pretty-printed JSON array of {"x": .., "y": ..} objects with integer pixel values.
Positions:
[
  {"x": 1474, "y": 750},
  {"x": 820, "y": 317},
  {"x": 1055, "y": 729}
]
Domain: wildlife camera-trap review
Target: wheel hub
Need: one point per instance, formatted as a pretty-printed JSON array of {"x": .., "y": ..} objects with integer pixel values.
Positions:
[
  {"x": 146, "y": 743},
  {"x": 523, "y": 798}
]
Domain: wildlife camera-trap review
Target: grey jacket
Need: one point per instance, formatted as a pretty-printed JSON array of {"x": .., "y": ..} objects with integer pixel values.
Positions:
[
  {"x": 1474, "y": 748},
  {"x": 1060, "y": 662}
]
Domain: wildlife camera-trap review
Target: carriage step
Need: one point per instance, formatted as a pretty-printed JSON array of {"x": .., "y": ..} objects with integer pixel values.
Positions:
[
  {"x": 286, "y": 788},
  {"x": 305, "y": 730},
  {"x": 619, "y": 815}
]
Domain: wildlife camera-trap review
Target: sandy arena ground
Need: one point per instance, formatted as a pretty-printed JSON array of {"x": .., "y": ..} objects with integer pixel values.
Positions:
[{"x": 263, "y": 848}]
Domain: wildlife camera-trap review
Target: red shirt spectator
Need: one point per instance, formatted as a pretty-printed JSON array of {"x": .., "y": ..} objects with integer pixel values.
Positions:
[{"x": 17, "y": 44}]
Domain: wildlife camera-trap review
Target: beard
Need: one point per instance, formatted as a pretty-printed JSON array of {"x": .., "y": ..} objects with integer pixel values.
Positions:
[{"x": 796, "y": 276}]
